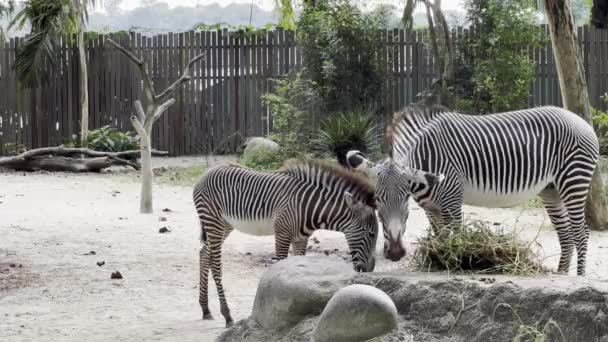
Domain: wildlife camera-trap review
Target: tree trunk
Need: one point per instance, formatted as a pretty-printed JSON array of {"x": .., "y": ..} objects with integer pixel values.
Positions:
[
  {"x": 84, "y": 90},
  {"x": 146, "y": 204},
  {"x": 444, "y": 51},
  {"x": 571, "y": 75}
]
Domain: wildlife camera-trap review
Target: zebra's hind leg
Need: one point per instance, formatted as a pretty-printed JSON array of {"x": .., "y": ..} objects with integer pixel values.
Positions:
[
  {"x": 299, "y": 246},
  {"x": 215, "y": 262},
  {"x": 558, "y": 214},
  {"x": 575, "y": 205},
  {"x": 203, "y": 297}
]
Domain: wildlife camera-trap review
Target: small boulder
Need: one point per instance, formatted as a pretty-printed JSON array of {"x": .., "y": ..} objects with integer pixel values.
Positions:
[
  {"x": 254, "y": 143},
  {"x": 296, "y": 287},
  {"x": 356, "y": 313}
]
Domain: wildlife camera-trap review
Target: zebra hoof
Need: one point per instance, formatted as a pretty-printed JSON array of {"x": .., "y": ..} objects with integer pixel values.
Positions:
[
  {"x": 229, "y": 323},
  {"x": 207, "y": 316}
]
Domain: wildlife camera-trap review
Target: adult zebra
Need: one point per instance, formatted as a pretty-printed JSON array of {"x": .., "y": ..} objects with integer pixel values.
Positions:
[
  {"x": 305, "y": 195},
  {"x": 444, "y": 159}
]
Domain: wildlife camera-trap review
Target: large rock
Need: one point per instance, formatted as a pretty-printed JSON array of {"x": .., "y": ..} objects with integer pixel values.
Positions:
[
  {"x": 356, "y": 313},
  {"x": 254, "y": 143},
  {"x": 296, "y": 287},
  {"x": 431, "y": 308}
]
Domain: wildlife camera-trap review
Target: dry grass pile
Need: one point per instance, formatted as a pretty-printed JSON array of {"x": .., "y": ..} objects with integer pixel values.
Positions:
[{"x": 477, "y": 248}]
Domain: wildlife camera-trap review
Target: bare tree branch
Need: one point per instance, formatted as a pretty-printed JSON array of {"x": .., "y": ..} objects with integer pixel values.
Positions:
[
  {"x": 141, "y": 115},
  {"x": 138, "y": 127},
  {"x": 161, "y": 109},
  {"x": 143, "y": 69},
  {"x": 185, "y": 77}
]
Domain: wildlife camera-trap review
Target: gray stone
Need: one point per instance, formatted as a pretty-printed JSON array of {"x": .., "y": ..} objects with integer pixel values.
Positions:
[
  {"x": 254, "y": 143},
  {"x": 431, "y": 308},
  {"x": 296, "y": 287},
  {"x": 356, "y": 313}
]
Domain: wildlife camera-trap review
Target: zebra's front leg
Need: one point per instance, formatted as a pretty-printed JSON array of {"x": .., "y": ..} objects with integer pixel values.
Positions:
[{"x": 299, "y": 246}]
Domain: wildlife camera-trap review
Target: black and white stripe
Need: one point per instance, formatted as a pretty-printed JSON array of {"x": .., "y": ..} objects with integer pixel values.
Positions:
[
  {"x": 305, "y": 195},
  {"x": 498, "y": 160}
]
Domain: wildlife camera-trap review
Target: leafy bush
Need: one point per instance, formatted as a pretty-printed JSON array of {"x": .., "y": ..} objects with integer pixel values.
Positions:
[
  {"x": 346, "y": 131},
  {"x": 600, "y": 124},
  {"x": 342, "y": 53},
  {"x": 263, "y": 159},
  {"x": 493, "y": 70},
  {"x": 475, "y": 247},
  {"x": 292, "y": 105},
  {"x": 108, "y": 139}
]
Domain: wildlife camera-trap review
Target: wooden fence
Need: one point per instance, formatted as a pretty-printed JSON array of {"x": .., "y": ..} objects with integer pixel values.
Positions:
[{"x": 221, "y": 105}]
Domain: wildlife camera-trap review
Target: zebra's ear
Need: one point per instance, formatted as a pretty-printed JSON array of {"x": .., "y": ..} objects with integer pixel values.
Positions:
[
  {"x": 422, "y": 177},
  {"x": 356, "y": 160},
  {"x": 433, "y": 179}
]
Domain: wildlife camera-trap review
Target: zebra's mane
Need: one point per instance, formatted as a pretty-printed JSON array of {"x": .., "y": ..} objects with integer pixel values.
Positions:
[
  {"x": 425, "y": 113},
  {"x": 335, "y": 177}
]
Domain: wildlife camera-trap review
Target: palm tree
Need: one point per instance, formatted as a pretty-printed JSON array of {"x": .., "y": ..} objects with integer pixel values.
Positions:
[
  {"x": 6, "y": 10},
  {"x": 571, "y": 74},
  {"x": 51, "y": 19}
]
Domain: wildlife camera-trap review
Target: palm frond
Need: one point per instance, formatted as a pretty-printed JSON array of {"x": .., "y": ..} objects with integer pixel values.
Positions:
[
  {"x": 49, "y": 19},
  {"x": 6, "y": 11}
]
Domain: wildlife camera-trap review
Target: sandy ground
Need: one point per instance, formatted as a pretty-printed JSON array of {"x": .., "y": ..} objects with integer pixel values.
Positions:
[{"x": 52, "y": 289}]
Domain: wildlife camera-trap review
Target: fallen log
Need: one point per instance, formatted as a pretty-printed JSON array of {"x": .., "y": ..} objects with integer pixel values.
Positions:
[{"x": 67, "y": 159}]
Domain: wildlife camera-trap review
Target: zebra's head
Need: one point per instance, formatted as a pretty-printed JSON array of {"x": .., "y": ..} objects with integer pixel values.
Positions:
[
  {"x": 394, "y": 186},
  {"x": 361, "y": 234}
]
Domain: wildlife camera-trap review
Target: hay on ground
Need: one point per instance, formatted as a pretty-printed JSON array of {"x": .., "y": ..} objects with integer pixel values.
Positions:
[{"x": 477, "y": 248}]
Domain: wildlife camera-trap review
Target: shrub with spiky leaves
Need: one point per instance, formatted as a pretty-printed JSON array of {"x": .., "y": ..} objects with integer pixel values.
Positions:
[{"x": 346, "y": 131}]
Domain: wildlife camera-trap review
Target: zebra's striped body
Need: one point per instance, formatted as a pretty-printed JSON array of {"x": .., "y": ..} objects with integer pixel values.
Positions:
[
  {"x": 498, "y": 160},
  {"x": 292, "y": 203}
]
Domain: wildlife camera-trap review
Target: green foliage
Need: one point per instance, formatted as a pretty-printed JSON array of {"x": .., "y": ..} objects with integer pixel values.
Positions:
[
  {"x": 287, "y": 16},
  {"x": 239, "y": 31},
  {"x": 346, "y": 131},
  {"x": 108, "y": 139},
  {"x": 341, "y": 49},
  {"x": 493, "y": 70},
  {"x": 475, "y": 247},
  {"x": 264, "y": 159},
  {"x": 293, "y": 101},
  {"x": 600, "y": 124}
]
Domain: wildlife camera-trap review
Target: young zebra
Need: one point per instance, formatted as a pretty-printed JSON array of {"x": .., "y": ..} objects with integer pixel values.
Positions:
[{"x": 305, "y": 195}]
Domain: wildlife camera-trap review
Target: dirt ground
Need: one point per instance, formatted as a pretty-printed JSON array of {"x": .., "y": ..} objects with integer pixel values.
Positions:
[{"x": 56, "y": 228}]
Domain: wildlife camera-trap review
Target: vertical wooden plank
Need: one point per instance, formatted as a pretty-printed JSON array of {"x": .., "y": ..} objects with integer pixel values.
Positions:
[
  {"x": 214, "y": 85},
  {"x": 228, "y": 89},
  {"x": 257, "y": 131},
  {"x": 244, "y": 89},
  {"x": 604, "y": 68},
  {"x": 3, "y": 94},
  {"x": 543, "y": 72},
  {"x": 594, "y": 61},
  {"x": 206, "y": 130},
  {"x": 169, "y": 129},
  {"x": 208, "y": 105},
  {"x": 191, "y": 118},
  {"x": 266, "y": 74}
]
